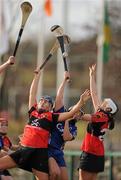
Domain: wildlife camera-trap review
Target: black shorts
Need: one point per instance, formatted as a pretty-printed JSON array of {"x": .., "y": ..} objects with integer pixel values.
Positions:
[
  {"x": 91, "y": 163},
  {"x": 28, "y": 158}
]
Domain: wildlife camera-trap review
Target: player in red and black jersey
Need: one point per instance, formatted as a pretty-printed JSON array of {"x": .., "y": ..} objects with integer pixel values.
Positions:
[
  {"x": 33, "y": 154},
  {"x": 92, "y": 157}
]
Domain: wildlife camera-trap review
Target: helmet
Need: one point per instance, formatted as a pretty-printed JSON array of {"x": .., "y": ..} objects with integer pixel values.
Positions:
[
  {"x": 48, "y": 98},
  {"x": 112, "y": 105}
]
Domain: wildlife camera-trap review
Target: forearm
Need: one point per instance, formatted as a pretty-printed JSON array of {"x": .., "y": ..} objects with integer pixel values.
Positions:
[
  {"x": 83, "y": 98},
  {"x": 59, "y": 101},
  {"x": 67, "y": 136},
  {"x": 33, "y": 90},
  {"x": 4, "y": 66},
  {"x": 34, "y": 85},
  {"x": 67, "y": 115},
  {"x": 60, "y": 91},
  {"x": 93, "y": 91}
]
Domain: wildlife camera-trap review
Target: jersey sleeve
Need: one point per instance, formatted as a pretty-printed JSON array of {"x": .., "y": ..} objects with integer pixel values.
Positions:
[{"x": 99, "y": 117}]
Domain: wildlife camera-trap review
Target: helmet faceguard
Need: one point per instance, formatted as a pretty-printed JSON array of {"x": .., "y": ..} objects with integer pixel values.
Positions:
[{"x": 111, "y": 104}]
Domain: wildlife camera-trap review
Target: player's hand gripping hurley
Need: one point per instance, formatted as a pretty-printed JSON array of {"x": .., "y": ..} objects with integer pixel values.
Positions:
[
  {"x": 59, "y": 33},
  {"x": 52, "y": 51}
]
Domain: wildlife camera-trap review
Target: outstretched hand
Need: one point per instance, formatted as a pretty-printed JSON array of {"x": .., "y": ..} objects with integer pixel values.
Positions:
[
  {"x": 92, "y": 70},
  {"x": 85, "y": 96}
]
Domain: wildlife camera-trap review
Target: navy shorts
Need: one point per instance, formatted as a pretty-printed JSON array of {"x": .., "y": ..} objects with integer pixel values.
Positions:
[
  {"x": 58, "y": 155},
  {"x": 28, "y": 158},
  {"x": 91, "y": 163}
]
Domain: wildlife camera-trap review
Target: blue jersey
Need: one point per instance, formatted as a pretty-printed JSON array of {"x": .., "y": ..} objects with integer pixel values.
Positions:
[
  {"x": 1, "y": 143},
  {"x": 56, "y": 139}
]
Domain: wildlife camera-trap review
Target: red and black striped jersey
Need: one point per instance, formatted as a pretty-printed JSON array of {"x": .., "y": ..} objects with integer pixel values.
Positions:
[
  {"x": 93, "y": 141},
  {"x": 37, "y": 131}
]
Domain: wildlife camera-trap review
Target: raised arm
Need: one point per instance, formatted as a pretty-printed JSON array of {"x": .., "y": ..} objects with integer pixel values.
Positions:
[
  {"x": 33, "y": 89},
  {"x": 83, "y": 98},
  {"x": 11, "y": 60},
  {"x": 60, "y": 93},
  {"x": 93, "y": 89}
]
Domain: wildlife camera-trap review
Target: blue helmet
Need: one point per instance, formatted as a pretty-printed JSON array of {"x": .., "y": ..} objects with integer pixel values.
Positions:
[{"x": 48, "y": 98}]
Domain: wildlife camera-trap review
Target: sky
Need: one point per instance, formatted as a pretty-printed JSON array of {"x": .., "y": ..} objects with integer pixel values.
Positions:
[{"x": 79, "y": 20}]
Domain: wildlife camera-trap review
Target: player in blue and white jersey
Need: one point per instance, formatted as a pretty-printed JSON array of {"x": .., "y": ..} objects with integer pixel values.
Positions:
[{"x": 61, "y": 132}]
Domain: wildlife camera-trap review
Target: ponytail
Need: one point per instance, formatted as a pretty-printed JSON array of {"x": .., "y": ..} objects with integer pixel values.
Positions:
[{"x": 111, "y": 122}]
